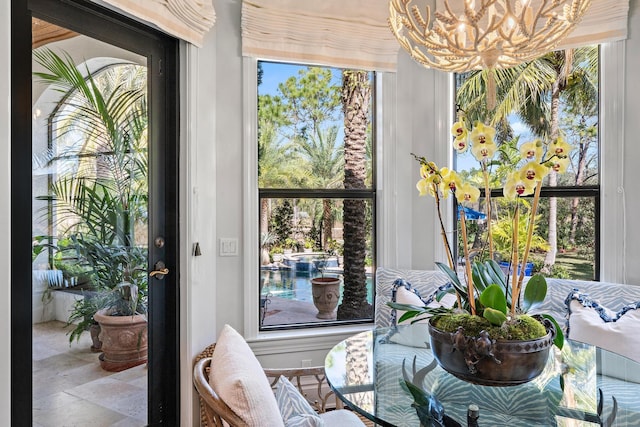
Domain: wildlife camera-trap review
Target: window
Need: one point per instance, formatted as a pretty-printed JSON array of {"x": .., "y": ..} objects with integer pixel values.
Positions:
[
  {"x": 316, "y": 195},
  {"x": 567, "y": 239}
]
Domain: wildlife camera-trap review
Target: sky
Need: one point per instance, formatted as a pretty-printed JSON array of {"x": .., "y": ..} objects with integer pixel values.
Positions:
[{"x": 275, "y": 73}]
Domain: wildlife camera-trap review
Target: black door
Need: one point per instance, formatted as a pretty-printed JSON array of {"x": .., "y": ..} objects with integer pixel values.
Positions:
[{"x": 160, "y": 54}]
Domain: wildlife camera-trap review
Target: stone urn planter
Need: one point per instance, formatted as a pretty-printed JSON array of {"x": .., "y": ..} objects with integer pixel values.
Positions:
[
  {"x": 326, "y": 293},
  {"x": 124, "y": 341}
]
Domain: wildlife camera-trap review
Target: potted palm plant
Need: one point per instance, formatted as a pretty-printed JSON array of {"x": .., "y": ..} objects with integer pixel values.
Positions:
[
  {"x": 123, "y": 323},
  {"x": 82, "y": 318},
  {"x": 99, "y": 201}
]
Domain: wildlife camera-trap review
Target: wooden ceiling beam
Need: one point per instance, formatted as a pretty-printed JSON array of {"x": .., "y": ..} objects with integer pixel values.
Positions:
[{"x": 43, "y": 32}]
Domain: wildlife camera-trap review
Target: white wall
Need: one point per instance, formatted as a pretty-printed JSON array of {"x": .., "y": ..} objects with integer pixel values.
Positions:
[
  {"x": 212, "y": 288},
  {"x": 631, "y": 149},
  {"x": 198, "y": 204},
  {"x": 228, "y": 171}
]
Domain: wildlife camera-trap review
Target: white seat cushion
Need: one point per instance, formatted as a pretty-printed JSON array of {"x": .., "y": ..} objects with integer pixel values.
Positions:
[
  {"x": 341, "y": 418},
  {"x": 240, "y": 381}
]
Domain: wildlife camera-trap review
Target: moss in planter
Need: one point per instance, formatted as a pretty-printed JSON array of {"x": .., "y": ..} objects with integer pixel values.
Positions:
[{"x": 523, "y": 327}]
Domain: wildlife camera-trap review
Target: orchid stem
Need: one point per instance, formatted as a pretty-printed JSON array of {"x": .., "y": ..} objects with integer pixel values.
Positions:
[
  {"x": 487, "y": 198},
  {"x": 532, "y": 221},
  {"x": 515, "y": 289},
  {"x": 445, "y": 239},
  {"x": 443, "y": 232},
  {"x": 470, "y": 290}
]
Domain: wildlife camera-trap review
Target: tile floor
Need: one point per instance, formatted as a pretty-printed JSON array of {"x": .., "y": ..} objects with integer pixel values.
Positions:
[{"x": 70, "y": 389}]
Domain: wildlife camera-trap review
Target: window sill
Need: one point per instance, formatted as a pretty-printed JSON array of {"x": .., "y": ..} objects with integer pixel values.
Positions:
[{"x": 281, "y": 342}]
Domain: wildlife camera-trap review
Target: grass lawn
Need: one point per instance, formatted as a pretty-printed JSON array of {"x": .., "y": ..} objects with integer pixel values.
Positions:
[{"x": 578, "y": 267}]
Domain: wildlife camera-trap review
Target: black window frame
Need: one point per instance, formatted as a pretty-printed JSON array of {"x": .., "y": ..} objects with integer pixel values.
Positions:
[{"x": 369, "y": 194}]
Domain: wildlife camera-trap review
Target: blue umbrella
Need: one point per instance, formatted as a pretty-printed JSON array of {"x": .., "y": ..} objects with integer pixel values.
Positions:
[{"x": 471, "y": 214}]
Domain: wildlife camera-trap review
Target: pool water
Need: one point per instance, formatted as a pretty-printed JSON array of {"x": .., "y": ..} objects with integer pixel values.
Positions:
[{"x": 296, "y": 285}]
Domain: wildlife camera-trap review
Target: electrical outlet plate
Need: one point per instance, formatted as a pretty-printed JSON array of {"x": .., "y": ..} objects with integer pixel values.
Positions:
[{"x": 228, "y": 246}]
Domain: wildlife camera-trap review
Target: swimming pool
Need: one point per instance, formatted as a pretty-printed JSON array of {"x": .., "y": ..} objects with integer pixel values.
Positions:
[{"x": 296, "y": 285}]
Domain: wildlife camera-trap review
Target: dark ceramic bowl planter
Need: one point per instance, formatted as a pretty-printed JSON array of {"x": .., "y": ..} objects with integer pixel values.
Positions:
[{"x": 483, "y": 361}]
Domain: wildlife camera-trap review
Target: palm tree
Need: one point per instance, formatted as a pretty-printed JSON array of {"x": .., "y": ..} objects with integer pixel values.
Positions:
[
  {"x": 534, "y": 91},
  {"x": 356, "y": 100},
  {"x": 273, "y": 171},
  {"x": 271, "y": 167},
  {"x": 306, "y": 103},
  {"x": 325, "y": 162}
]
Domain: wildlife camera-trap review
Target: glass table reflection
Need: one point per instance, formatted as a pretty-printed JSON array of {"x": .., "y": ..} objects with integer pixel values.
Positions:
[{"x": 367, "y": 369}]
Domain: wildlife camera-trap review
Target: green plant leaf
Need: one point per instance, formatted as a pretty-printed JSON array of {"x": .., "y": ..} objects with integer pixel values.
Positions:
[
  {"x": 406, "y": 307},
  {"x": 416, "y": 313},
  {"x": 534, "y": 293},
  {"x": 558, "y": 340},
  {"x": 441, "y": 294},
  {"x": 478, "y": 277},
  {"x": 495, "y": 317},
  {"x": 409, "y": 315},
  {"x": 498, "y": 277},
  {"x": 496, "y": 273},
  {"x": 420, "y": 396},
  {"x": 493, "y": 297},
  {"x": 449, "y": 272},
  {"x": 486, "y": 277},
  {"x": 455, "y": 281}
]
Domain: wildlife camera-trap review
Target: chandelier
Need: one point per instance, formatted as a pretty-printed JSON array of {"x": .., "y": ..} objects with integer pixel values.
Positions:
[{"x": 465, "y": 35}]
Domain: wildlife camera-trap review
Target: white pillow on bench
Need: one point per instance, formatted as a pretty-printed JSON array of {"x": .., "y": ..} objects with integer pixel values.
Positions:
[
  {"x": 238, "y": 378},
  {"x": 592, "y": 323},
  {"x": 403, "y": 293}
]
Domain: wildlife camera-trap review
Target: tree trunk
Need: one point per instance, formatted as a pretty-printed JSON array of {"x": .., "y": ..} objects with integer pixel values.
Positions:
[
  {"x": 327, "y": 222},
  {"x": 580, "y": 177},
  {"x": 264, "y": 215},
  {"x": 552, "y": 238},
  {"x": 356, "y": 97},
  {"x": 550, "y": 257},
  {"x": 358, "y": 373}
]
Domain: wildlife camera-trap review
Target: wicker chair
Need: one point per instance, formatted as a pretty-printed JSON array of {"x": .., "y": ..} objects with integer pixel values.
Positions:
[{"x": 213, "y": 411}]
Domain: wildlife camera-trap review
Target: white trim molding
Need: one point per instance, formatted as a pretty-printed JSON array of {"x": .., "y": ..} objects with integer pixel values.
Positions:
[
  {"x": 613, "y": 218},
  {"x": 250, "y": 191}
]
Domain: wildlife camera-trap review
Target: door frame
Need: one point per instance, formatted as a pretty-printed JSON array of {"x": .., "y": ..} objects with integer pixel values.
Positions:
[{"x": 162, "y": 52}]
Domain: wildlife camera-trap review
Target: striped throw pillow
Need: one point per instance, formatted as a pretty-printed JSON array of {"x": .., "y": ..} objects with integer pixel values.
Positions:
[{"x": 294, "y": 408}]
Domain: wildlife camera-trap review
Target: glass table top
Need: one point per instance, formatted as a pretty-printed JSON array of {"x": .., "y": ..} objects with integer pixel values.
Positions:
[{"x": 367, "y": 372}]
